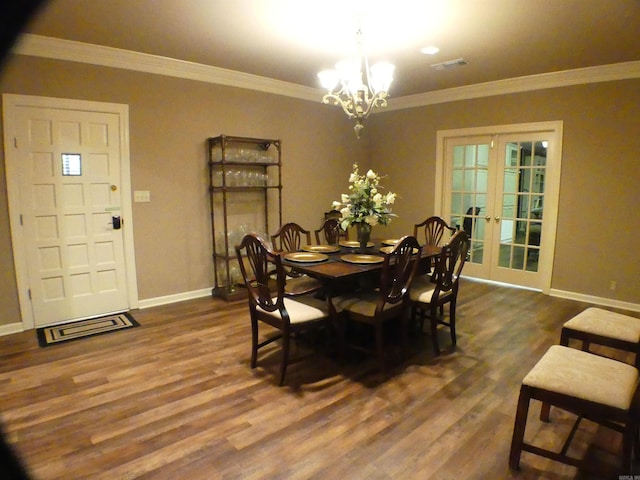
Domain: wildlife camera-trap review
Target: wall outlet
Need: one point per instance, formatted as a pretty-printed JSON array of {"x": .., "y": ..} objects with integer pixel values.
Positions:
[{"x": 612, "y": 285}]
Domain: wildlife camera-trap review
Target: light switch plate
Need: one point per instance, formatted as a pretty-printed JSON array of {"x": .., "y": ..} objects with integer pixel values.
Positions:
[{"x": 141, "y": 196}]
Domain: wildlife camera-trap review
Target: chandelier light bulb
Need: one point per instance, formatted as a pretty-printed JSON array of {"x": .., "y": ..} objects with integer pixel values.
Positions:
[
  {"x": 381, "y": 76},
  {"x": 329, "y": 79}
]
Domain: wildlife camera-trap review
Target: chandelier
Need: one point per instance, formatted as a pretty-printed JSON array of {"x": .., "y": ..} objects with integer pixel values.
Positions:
[{"x": 357, "y": 88}]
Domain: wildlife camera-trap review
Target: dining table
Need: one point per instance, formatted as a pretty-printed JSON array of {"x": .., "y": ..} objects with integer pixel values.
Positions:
[{"x": 343, "y": 266}]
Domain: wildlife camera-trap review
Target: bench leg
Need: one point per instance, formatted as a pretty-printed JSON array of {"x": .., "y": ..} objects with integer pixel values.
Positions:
[{"x": 519, "y": 427}]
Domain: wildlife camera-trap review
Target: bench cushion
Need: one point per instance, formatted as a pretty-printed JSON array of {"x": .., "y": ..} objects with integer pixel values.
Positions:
[
  {"x": 585, "y": 376},
  {"x": 602, "y": 322}
]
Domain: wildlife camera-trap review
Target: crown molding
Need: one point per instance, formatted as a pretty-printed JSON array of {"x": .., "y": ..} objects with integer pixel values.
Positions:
[
  {"x": 580, "y": 76},
  {"x": 60, "y": 49},
  {"x": 48, "y": 47}
]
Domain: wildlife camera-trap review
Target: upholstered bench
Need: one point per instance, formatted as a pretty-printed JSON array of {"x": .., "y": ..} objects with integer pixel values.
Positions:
[
  {"x": 591, "y": 386},
  {"x": 599, "y": 326}
]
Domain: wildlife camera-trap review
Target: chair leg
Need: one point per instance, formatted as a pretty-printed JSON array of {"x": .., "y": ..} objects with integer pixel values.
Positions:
[
  {"x": 628, "y": 436},
  {"x": 379, "y": 344},
  {"x": 452, "y": 321},
  {"x": 434, "y": 329},
  {"x": 254, "y": 342},
  {"x": 404, "y": 332},
  {"x": 519, "y": 427},
  {"x": 286, "y": 338}
]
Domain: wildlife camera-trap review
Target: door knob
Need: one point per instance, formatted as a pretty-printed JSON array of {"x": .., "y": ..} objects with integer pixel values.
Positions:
[
  {"x": 497, "y": 219},
  {"x": 487, "y": 218}
]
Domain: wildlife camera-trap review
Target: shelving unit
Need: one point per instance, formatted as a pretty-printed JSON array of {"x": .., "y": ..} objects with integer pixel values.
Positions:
[{"x": 245, "y": 190}]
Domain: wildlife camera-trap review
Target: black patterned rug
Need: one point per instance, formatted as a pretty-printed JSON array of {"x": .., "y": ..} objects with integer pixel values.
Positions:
[{"x": 48, "y": 336}]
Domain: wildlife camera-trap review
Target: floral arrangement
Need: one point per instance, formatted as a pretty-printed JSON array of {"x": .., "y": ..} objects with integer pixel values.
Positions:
[{"x": 364, "y": 204}]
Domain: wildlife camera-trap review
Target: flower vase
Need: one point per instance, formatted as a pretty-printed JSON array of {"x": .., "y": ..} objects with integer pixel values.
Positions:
[{"x": 364, "y": 235}]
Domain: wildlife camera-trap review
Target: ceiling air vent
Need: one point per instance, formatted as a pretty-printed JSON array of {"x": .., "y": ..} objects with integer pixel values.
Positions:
[{"x": 458, "y": 62}]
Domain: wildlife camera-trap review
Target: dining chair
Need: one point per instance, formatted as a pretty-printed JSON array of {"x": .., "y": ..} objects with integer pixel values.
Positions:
[
  {"x": 428, "y": 293},
  {"x": 432, "y": 232},
  {"x": 433, "y": 229},
  {"x": 332, "y": 214},
  {"x": 331, "y": 231},
  {"x": 387, "y": 302},
  {"x": 291, "y": 237},
  {"x": 290, "y": 316}
]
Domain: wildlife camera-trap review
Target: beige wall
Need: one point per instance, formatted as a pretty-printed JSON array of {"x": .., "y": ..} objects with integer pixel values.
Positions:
[
  {"x": 599, "y": 209},
  {"x": 171, "y": 118}
]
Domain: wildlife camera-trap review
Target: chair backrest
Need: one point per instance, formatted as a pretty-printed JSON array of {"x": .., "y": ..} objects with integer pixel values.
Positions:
[
  {"x": 332, "y": 214},
  {"x": 289, "y": 238},
  {"x": 331, "y": 231},
  {"x": 398, "y": 271},
  {"x": 434, "y": 229},
  {"x": 450, "y": 262},
  {"x": 263, "y": 263}
]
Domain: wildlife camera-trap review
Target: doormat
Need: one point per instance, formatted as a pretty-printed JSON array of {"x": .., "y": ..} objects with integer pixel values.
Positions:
[{"x": 48, "y": 336}]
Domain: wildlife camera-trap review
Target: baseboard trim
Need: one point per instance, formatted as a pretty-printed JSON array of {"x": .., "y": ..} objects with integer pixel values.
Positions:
[
  {"x": 178, "y": 297},
  {"x": 605, "y": 302},
  {"x": 10, "y": 328}
]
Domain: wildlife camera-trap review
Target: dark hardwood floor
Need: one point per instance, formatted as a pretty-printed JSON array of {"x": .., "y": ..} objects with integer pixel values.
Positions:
[{"x": 176, "y": 399}]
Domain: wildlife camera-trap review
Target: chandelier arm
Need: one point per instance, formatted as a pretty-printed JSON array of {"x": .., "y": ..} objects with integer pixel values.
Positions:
[{"x": 347, "y": 105}]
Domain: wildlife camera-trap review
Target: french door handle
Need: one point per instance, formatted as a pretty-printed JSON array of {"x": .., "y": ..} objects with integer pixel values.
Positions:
[
  {"x": 497, "y": 219},
  {"x": 487, "y": 218}
]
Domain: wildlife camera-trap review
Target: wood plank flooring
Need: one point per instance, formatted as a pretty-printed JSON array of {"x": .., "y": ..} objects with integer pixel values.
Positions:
[{"x": 176, "y": 399}]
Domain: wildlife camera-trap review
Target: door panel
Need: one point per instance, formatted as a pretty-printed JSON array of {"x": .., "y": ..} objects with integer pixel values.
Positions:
[
  {"x": 522, "y": 161},
  {"x": 469, "y": 162},
  {"x": 70, "y": 189}
]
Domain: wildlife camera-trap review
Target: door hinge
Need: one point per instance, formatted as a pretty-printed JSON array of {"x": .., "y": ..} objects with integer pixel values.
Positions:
[
  {"x": 21, "y": 221},
  {"x": 29, "y": 294},
  {"x": 15, "y": 142}
]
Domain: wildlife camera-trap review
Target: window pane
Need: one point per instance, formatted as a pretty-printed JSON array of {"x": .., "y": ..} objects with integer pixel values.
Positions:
[
  {"x": 483, "y": 155},
  {"x": 458, "y": 156},
  {"x": 470, "y": 156},
  {"x": 526, "y": 154},
  {"x": 541, "y": 154},
  {"x": 482, "y": 181},
  {"x": 71, "y": 164},
  {"x": 456, "y": 181}
]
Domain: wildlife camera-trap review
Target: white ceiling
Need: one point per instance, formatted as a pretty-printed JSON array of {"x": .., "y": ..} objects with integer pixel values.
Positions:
[{"x": 291, "y": 40}]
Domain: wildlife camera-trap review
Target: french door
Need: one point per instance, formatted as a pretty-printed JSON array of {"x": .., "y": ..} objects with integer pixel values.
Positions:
[{"x": 502, "y": 189}]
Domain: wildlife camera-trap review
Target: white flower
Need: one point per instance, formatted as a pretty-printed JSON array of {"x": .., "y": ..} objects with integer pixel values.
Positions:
[
  {"x": 391, "y": 198},
  {"x": 336, "y": 204},
  {"x": 344, "y": 198},
  {"x": 374, "y": 190},
  {"x": 345, "y": 212},
  {"x": 371, "y": 220},
  {"x": 377, "y": 199},
  {"x": 353, "y": 178},
  {"x": 371, "y": 174}
]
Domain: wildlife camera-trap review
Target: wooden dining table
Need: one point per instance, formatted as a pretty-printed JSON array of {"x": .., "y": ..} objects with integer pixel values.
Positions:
[{"x": 335, "y": 272}]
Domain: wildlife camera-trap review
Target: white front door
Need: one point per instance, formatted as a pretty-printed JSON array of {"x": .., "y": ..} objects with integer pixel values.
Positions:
[
  {"x": 496, "y": 182},
  {"x": 65, "y": 164}
]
